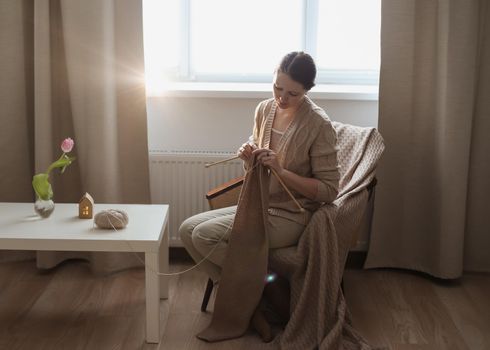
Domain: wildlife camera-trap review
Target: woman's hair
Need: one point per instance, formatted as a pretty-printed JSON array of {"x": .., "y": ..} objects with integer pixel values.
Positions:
[{"x": 300, "y": 67}]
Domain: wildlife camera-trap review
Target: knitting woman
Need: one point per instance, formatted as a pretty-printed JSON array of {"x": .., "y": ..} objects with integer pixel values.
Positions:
[{"x": 295, "y": 139}]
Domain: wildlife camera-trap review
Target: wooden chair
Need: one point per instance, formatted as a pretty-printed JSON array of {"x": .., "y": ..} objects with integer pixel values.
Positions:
[
  {"x": 359, "y": 150},
  {"x": 227, "y": 195}
]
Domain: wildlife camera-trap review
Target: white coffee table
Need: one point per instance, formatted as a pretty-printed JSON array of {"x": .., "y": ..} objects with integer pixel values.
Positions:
[{"x": 147, "y": 231}]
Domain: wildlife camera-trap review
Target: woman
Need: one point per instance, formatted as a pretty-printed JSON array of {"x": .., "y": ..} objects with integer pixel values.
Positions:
[{"x": 292, "y": 136}]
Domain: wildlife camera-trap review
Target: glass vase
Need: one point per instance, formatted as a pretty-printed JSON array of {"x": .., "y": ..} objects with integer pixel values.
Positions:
[{"x": 44, "y": 208}]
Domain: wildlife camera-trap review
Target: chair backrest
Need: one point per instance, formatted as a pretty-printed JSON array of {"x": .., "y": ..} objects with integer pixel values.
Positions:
[
  {"x": 359, "y": 151},
  {"x": 360, "y": 148}
]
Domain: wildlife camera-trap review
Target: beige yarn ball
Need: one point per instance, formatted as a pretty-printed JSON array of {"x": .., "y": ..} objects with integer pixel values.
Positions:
[{"x": 111, "y": 219}]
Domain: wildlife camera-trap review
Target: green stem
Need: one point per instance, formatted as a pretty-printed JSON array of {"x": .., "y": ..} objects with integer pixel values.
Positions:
[{"x": 51, "y": 166}]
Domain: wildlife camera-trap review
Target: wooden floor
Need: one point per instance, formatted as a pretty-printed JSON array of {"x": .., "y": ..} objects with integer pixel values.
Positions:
[{"x": 71, "y": 308}]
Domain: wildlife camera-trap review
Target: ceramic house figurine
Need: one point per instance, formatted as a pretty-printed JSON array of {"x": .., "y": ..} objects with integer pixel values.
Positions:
[{"x": 86, "y": 207}]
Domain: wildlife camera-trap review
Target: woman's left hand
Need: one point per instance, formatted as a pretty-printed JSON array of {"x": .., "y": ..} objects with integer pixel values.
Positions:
[{"x": 268, "y": 158}]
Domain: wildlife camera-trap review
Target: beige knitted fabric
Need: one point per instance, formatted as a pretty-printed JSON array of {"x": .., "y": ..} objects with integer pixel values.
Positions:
[
  {"x": 319, "y": 316},
  {"x": 245, "y": 265}
]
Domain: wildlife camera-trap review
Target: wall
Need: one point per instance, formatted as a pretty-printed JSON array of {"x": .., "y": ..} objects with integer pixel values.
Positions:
[{"x": 223, "y": 124}]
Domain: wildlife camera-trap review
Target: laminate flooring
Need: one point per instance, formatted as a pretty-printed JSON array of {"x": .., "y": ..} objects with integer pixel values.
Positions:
[{"x": 69, "y": 307}]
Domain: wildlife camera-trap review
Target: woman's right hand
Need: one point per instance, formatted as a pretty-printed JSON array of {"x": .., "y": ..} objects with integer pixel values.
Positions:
[{"x": 245, "y": 151}]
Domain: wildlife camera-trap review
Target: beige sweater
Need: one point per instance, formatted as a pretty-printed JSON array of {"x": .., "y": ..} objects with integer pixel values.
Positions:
[{"x": 307, "y": 148}]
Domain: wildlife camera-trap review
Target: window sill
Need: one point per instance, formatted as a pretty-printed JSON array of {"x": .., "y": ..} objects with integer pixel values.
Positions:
[{"x": 249, "y": 90}]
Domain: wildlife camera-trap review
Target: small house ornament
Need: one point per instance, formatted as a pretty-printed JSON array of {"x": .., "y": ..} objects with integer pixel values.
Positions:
[{"x": 86, "y": 207}]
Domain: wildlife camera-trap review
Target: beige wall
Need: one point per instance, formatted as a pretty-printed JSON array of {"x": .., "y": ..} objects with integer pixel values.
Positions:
[{"x": 223, "y": 124}]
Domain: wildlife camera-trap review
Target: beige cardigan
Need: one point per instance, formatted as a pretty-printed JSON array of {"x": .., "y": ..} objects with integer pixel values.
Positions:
[{"x": 307, "y": 148}]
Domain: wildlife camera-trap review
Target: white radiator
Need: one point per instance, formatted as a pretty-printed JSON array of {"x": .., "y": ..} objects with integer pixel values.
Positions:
[{"x": 181, "y": 180}]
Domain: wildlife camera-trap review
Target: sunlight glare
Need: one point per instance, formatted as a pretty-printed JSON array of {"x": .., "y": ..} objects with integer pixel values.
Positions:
[
  {"x": 348, "y": 32},
  {"x": 245, "y": 37},
  {"x": 161, "y": 23}
]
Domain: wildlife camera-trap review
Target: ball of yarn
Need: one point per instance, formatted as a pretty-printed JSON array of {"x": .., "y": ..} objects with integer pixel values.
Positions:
[{"x": 111, "y": 219}]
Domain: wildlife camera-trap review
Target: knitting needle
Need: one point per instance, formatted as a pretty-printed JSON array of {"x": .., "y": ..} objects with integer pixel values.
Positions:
[
  {"x": 275, "y": 174},
  {"x": 287, "y": 190},
  {"x": 221, "y": 161}
]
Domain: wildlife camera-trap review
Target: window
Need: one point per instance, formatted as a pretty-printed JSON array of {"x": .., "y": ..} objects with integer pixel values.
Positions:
[{"x": 243, "y": 41}]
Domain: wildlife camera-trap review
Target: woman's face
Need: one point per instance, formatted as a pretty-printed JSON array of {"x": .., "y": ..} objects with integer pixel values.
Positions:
[{"x": 287, "y": 92}]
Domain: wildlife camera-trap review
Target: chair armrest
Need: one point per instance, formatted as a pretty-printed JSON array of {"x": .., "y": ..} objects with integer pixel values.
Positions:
[{"x": 226, "y": 194}]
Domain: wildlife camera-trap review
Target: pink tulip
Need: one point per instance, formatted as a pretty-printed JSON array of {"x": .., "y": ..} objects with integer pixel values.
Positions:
[{"x": 67, "y": 145}]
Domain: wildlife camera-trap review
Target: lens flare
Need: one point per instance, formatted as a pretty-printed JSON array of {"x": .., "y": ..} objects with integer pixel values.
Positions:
[{"x": 271, "y": 277}]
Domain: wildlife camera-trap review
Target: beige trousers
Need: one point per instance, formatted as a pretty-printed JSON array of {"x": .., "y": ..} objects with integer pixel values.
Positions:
[{"x": 206, "y": 235}]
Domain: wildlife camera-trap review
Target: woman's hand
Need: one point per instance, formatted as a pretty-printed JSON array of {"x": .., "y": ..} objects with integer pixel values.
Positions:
[
  {"x": 268, "y": 158},
  {"x": 245, "y": 151},
  {"x": 307, "y": 186}
]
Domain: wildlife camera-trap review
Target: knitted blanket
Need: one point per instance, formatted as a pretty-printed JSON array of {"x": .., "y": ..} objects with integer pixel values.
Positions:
[
  {"x": 319, "y": 317},
  {"x": 245, "y": 266}
]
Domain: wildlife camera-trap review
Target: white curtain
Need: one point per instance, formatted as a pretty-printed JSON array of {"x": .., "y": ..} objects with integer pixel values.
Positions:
[
  {"x": 432, "y": 200},
  {"x": 76, "y": 69}
]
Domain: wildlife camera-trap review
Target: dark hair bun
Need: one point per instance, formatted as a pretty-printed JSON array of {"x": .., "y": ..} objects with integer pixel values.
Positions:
[{"x": 300, "y": 67}]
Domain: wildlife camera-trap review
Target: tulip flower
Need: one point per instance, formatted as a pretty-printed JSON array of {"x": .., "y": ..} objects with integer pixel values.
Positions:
[
  {"x": 67, "y": 145},
  {"x": 40, "y": 182}
]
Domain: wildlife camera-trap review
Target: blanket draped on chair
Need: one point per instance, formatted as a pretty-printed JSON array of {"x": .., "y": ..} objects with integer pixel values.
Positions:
[
  {"x": 245, "y": 266},
  {"x": 319, "y": 317}
]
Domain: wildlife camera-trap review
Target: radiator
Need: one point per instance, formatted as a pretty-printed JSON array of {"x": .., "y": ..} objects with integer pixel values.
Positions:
[{"x": 180, "y": 180}]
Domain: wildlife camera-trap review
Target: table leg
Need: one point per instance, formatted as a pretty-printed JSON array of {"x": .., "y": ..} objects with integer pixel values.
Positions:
[
  {"x": 164, "y": 264},
  {"x": 152, "y": 290}
]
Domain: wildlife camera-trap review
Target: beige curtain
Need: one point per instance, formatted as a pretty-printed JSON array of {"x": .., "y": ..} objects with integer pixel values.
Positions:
[
  {"x": 16, "y": 107},
  {"x": 75, "y": 69},
  {"x": 432, "y": 203}
]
